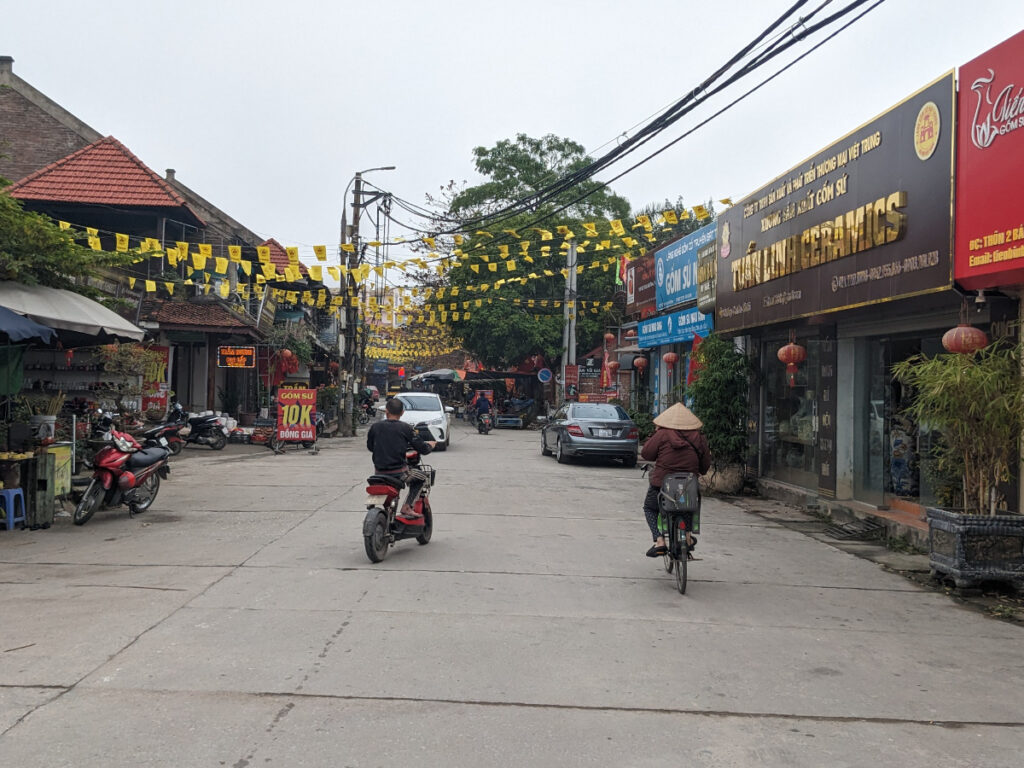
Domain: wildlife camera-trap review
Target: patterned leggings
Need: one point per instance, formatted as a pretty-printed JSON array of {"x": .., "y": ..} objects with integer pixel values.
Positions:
[{"x": 651, "y": 510}]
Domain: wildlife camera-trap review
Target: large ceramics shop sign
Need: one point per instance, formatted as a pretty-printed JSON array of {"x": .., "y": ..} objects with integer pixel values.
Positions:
[
  {"x": 989, "y": 220},
  {"x": 865, "y": 221},
  {"x": 675, "y": 268},
  {"x": 674, "y": 328}
]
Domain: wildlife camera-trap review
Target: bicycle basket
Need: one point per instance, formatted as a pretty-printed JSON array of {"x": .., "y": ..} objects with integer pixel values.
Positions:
[{"x": 680, "y": 492}]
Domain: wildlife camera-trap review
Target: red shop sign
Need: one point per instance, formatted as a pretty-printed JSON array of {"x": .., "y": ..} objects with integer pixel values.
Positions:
[
  {"x": 990, "y": 145},
  {"x": 296, "y": 415}
]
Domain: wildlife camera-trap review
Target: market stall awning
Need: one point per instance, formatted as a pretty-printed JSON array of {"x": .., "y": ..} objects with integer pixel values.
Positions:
[
  {"x": 15, "y": 328},
  {"x": 442, "y": 374},
  {"x": 67, "y": 311}
]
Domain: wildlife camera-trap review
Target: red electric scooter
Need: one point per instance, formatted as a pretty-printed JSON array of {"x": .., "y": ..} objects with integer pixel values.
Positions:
[{"x": 383, "y": 525}]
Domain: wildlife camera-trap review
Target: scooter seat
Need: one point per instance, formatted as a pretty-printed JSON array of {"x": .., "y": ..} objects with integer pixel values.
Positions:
[
  {"x": 196, "y": 421},
  {"x": 147, "y": 457},
  {"x": 393, "y": 480}
]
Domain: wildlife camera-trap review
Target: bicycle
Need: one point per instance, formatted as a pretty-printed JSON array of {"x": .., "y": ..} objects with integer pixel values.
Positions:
[{"x": 679, "y": 504}]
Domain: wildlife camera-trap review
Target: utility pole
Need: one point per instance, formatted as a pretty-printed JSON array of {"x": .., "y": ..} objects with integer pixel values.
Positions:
[
  {"x": 348, "y": 427},
  {"x": 569, "y": 313}
]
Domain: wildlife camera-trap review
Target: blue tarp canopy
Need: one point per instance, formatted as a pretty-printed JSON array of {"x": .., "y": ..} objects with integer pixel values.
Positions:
[{"x": 17, "y": 328}]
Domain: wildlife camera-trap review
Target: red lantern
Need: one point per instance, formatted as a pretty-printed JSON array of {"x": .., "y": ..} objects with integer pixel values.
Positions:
[
  {"x": 613, "y": 367},
  {"x": 640, "y": 363},
  {"x": 609, "y": 338},
  {"x": 286, "y": 353},
  {"x": 671, "y": 358},
  {"x": 631, "y": 333},
  {"x": 964, "y": 339},
  {"x": 792, "y": 355}
]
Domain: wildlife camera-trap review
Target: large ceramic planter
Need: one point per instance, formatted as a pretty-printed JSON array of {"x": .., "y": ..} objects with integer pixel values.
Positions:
[{"x": 976, "y": 548}]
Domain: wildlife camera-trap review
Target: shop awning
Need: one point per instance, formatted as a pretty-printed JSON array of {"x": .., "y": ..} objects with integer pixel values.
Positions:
[
  {"x": 85, "y": 321},
  {"x": 15, "y": 328}
]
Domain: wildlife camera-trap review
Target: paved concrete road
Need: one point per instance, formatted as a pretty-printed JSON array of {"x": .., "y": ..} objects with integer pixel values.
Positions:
[{"x": 239, "y": 623}]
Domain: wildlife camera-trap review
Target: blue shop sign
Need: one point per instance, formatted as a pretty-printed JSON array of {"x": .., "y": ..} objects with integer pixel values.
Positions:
[
  {"x": 677, "y": 327},
  {"x": 675, "y": 268}
]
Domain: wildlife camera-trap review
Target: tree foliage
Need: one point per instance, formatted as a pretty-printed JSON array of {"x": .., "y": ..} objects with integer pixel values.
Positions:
[
  {"x": 500, "y": 333},
  {"x": 720, "y": 398},
  {"x": 36, "y": 251}
]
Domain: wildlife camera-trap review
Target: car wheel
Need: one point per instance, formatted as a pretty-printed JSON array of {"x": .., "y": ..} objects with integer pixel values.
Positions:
[
  {"x": 544, "y": 446},
  {"x": 560, "y": 455}
]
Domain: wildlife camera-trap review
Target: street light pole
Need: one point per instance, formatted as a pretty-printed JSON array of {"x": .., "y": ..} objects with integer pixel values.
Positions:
[{"x": 351, "y": 351}]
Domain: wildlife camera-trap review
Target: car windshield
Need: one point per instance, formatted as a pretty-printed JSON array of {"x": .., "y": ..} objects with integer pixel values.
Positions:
[
  {"x": 420, "y": 403},
  {"x": 599, "y": 411}
]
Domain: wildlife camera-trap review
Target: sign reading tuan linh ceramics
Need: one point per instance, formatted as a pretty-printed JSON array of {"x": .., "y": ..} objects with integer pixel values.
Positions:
[
  {"x": 990, "y": 145},
  {"x": 866, "y": 220}
]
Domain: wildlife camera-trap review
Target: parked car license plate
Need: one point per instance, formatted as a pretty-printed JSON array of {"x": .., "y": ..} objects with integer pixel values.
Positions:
[{"x": 604, "y": 432}]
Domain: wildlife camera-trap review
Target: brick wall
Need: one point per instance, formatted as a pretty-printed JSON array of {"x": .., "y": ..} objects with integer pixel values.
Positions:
[{"x": 29, "y": 137}]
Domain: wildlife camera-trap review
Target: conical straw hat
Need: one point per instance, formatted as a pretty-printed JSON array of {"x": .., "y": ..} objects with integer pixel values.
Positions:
[{"x": 678, "y": 417}]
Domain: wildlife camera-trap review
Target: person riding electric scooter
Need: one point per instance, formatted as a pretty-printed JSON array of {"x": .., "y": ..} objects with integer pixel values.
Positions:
[{"x": 389, "y": 440}]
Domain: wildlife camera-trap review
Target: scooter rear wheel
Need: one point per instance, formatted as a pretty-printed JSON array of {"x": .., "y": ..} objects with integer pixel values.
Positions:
[
  {"x": 146, "y": 493},
  {"x": 377, "y": 543},
  {"x": 219, "y": 441},
  {"x": 428, "y": 525},
  {"x": 90, "y": 502},
  {"x": 175, "y": 446}
]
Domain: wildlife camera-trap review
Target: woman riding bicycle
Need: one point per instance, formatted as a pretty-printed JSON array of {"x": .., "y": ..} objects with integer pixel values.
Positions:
[{"x": 677, "y": 445}]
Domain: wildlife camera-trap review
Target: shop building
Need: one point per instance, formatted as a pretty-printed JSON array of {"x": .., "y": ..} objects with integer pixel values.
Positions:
[{"x": 848, "y": 258}]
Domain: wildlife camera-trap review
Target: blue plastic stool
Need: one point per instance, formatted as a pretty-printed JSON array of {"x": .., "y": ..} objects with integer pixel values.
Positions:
[{"x": 8, "y": 497}]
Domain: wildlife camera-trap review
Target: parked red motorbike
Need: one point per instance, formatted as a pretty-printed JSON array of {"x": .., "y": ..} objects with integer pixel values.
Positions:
[
  {"x": 383, "y": 525},
  {"x": 124, "y": 473}
]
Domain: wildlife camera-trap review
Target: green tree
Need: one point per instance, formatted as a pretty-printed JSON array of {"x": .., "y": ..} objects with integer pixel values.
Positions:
[
  {"x": 720, "y": 398},
  {"x": 499, "y": 332},
  {"x": 36, "y": 251}
]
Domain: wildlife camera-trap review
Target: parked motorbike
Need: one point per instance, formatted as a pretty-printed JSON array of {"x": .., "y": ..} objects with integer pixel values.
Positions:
[
  {"x": 383, "y": 525},
  {"x": 170, "y": 432},
  {"x": 124, "y": 472},
  {"x": 484, "y": 423},
  {"x": 202, "y": 430}
]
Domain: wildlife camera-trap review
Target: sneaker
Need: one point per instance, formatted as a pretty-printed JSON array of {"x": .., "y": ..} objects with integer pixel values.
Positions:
[{"x": 409, "y": 513}]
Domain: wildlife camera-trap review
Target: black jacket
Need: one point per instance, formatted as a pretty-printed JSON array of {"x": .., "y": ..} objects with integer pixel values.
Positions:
[{"x": 389, "y": 440}]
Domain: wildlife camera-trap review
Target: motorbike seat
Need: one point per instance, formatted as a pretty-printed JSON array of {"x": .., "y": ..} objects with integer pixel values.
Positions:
[
  {"x": 147, "y": 457},
  {"x": 158, "y": 429},
  {"x": 393, "y": 480},
  {"x": 195, "y": 421}
]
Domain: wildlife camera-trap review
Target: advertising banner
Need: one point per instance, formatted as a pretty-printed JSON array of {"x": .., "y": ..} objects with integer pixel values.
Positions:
[
  {"x": 155, "y": 387},
  {"x": 675, "y": 268},
  {"x": 866, "y": 220},
  {"x": 989, "y": 222},
  {"x": 296, "y": 415},
  {"x": 640, "y": 285},
  {"x": 572, "y": 382},
  {"x": 673, "y": 328}
]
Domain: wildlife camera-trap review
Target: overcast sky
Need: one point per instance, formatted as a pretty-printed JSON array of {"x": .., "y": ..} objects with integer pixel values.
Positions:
[{"x": 268, "y": 108}]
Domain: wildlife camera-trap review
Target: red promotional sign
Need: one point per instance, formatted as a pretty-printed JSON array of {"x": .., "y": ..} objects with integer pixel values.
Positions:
[
  {"x": 296, "y": 415},
  {"x": 154, "y": 382},
  {"x": 572, "y": 382},
  {"x": 640, "y": 289},
  {"x": 990, "y": 144}
]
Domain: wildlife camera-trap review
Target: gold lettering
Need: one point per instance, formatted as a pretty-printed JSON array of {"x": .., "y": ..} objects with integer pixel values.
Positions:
[
  {"x": 878, "y": 222},
  {"x": 896, "y": 219}
]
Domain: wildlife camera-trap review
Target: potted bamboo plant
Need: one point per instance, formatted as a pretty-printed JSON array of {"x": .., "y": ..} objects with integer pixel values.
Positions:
[{"x": 974, "y": 402}]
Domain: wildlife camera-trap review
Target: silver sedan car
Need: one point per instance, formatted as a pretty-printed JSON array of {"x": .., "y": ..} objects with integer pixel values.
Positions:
[{"x": 590, "y": 429}]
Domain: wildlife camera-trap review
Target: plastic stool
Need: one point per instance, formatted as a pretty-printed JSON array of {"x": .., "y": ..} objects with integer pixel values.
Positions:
[{"x": 8, "y": 499}]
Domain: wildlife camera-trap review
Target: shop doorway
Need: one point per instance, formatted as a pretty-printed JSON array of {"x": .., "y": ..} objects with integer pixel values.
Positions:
[
  {"x": 892, "y": 453},
  {"x": 791, "y": 415}
]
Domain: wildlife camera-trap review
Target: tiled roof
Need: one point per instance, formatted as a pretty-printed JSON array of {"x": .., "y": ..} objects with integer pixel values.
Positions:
[
  {"x": 191, "y": 313},
  {"x": 102, "y": 173},
  {"x": 279, "y": 257}
]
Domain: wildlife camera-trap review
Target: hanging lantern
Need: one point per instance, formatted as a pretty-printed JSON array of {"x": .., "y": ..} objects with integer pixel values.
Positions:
[
  {"x": 613, "y": 366},
  {"x": 286, "y": 353},
  {"x": 964, "y": 339},
  {"x": 609, "y": 338},
  {"x": 792, "y": 355},
  {"x": 640, "y": 363},
  {"x": 671, "y": 358},
  {"x": 631, "y": 333}
]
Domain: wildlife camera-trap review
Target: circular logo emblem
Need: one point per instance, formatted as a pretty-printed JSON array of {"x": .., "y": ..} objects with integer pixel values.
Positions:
[
  {"x": 661, "y": 272},
  {"x": 926, "y": 131}
]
